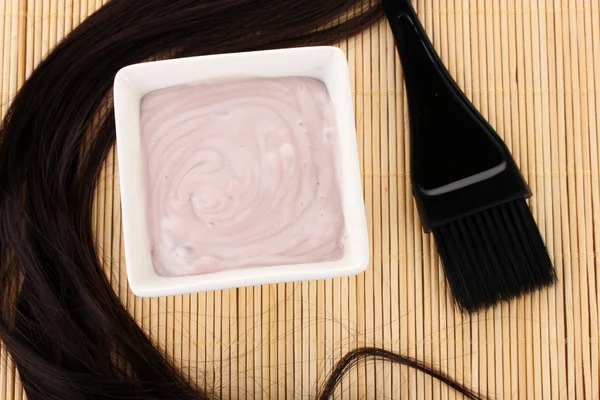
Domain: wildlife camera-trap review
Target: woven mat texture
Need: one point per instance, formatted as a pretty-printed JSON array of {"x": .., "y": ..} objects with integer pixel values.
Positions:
[{"x": 533, "y": 69}]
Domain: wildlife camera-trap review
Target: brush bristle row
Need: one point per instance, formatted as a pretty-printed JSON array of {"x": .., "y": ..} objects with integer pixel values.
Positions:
[{"x": 494, "y": 255}]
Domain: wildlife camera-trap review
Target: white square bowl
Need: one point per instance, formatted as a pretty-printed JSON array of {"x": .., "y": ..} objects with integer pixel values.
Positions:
[{"x": 327, "y": 64}]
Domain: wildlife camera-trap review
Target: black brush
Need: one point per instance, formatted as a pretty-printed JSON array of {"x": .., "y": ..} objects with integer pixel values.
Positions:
[{"x": 469, "y": 191}]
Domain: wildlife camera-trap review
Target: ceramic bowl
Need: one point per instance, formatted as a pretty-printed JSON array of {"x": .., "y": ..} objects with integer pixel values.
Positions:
[{"x": 327, "y": 64}]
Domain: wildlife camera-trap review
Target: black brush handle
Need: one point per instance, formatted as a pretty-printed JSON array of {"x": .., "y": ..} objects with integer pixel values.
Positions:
[
  {"x": 417, "y": 53},
  {"x": 459, "y": 165}
]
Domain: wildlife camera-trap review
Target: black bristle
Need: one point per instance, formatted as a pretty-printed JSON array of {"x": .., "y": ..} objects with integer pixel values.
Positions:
[{"x": 494, "y": 255}]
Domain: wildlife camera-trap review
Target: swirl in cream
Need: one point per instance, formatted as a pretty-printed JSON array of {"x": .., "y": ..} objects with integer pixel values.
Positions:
[{"x": 241, "y": 173}]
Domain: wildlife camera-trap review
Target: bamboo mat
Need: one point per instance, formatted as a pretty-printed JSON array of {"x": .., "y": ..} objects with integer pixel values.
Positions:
[{"x": 533, "y": 69}]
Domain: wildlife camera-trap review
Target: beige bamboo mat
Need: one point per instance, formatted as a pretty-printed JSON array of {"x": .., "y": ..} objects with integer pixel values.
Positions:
[{"x": 533, "y": 69}]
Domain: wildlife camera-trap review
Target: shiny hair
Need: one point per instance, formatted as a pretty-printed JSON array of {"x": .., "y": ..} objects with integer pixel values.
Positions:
[{"x": 60, "y": 320}]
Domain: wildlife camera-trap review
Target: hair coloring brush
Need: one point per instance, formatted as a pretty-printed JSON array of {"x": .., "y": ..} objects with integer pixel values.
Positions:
[{"x": 469, "y": 191}]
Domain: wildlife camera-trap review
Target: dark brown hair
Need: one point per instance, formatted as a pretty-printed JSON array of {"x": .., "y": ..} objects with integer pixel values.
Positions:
[{"x": 60, "y": 320}]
